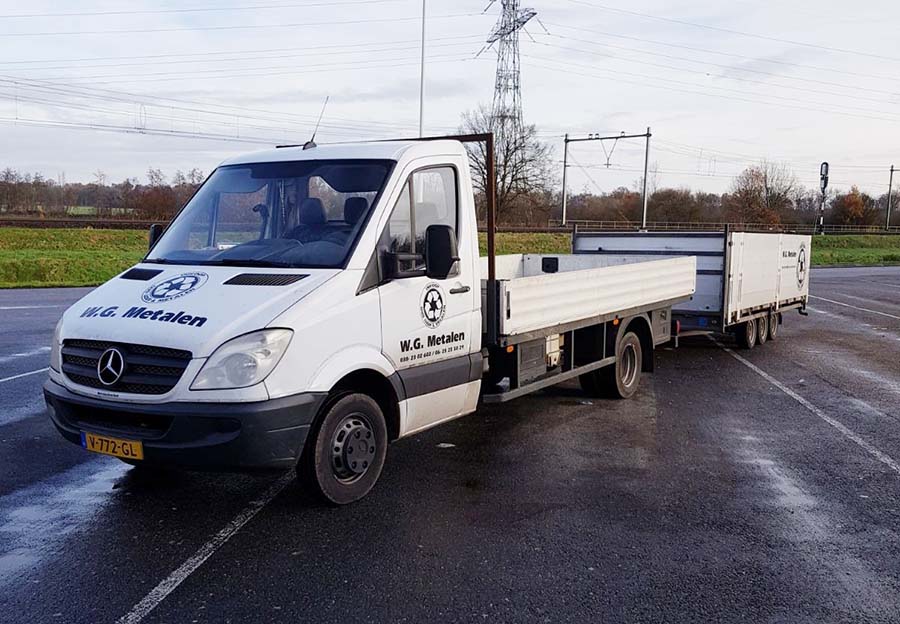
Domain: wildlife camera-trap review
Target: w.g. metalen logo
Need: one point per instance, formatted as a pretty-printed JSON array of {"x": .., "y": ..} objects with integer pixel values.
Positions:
[
  {"x": 801, "y": 266},
  {"x": 174, "y": 287}
]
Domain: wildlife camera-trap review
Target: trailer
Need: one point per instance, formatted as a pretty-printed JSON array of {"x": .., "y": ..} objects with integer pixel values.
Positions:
[{"x": 746, "y": 281}]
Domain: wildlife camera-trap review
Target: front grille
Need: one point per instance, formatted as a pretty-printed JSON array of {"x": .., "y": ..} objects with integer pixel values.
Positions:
[{"x": 148, "y": 369}]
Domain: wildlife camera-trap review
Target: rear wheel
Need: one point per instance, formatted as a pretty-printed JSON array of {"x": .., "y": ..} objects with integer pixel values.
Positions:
[
  {"x": 343, "y": 460},
  {"x": 773, "y": 325},
  {"x": 746, "y": 334},
  {"x": 762, "y": 330},
  {"x": 620, "y": 380}
]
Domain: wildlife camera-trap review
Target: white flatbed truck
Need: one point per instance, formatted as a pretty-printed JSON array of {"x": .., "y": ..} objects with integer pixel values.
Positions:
[
  {"x": 311, "y": 304},
  {"x": 746, "y": 281}
]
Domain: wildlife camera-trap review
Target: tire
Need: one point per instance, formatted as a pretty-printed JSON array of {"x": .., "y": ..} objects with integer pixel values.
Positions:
[
  {"x": 620, "y": 380},
  {"x": 354, "y": 423},
  {"x": 746, "y": 334},
  {"x": 774, "y": 318},
  {"x": 762, "y": 330}
]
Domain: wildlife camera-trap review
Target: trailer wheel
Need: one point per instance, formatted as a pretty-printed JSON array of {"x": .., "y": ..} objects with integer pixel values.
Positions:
[
  {"x": 619, "y": 380},
  {"x": 762, "y": 330},
  {"x": 773, "y": 325},
  {"x": 344, "y": 459},
  {"x": 746, "y": 334}
]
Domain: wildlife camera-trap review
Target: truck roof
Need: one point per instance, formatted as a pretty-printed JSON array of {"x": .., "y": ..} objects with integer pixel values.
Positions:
[{"x": 387, "y": 150}]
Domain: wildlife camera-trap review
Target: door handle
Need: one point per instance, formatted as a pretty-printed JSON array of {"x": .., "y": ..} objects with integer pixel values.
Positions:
[{"x": 459, "y": 290}]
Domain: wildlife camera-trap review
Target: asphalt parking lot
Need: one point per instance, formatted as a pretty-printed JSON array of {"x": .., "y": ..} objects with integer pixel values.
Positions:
[{"x": 738, "y": 486}]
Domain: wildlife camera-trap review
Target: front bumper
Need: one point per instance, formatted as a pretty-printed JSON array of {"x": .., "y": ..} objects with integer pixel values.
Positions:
[{"x": 230, "y": 436}]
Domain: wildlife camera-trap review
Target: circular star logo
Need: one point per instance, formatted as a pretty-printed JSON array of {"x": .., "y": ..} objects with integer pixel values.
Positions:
[
  {"x": 433, "y": 307},
  {"x": 174, "y": 287},
  {"x": 801, "y": 266}
]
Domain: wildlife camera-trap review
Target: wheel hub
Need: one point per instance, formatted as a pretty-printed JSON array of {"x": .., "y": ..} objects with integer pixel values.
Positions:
[{"x": 352, "y": 448}]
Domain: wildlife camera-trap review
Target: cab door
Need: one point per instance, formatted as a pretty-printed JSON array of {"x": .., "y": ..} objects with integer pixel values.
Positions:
[{"x": 427, "y": 323}]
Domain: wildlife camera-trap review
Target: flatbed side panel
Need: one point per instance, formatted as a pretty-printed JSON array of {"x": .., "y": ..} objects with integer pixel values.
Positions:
[
  {"x": 707, "y": 247},
  {"x": 530, "y": 303}
]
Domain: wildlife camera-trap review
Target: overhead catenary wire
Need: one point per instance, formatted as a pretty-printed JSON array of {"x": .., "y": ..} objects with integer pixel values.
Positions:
[{"x": 740, "y": 33}]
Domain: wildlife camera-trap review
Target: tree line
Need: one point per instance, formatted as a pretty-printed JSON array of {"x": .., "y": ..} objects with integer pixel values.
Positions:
[
  {"x": 528, "y": 195},
  {"x": 156, "y": 200}
]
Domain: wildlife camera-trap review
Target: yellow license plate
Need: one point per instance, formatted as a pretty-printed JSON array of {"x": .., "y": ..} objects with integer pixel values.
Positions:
[{"x": 117, "y": 447}]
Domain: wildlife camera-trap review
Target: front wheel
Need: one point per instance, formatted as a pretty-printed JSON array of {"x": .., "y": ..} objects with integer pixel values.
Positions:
[{"x": 345, "y": 457}]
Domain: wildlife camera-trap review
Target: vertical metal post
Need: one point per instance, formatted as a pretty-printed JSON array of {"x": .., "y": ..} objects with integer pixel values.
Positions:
[
  {"x": 491, "y": 197},
  {"x": 565, "y": 168},
  {"x": 422, "y": 77},
  {"x": 644, "y": 192},
  {"x": 493, "y": 290},
  {"x": 887, "y": 219}
]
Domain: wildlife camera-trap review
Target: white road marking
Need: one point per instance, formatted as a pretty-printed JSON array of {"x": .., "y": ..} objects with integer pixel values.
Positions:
[
  {"x": 179, "y": 575},
  {"x": 21, "y": 354},
  {"x": 885, "y": 459},
  {"x": 31, "y": 307},
  {"x": 847, "y": 305},
  {"x": 34, "y": 372}
]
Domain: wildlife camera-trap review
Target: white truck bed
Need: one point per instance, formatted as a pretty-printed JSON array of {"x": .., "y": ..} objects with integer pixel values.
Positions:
[
  {"x": 738, "y": 273},
  {"x": 583, "y": 287}
]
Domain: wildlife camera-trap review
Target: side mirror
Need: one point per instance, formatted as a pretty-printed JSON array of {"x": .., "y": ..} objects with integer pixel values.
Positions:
[
  {"x": 156, "y": 230},
  {"x": 441, "y": 253}
]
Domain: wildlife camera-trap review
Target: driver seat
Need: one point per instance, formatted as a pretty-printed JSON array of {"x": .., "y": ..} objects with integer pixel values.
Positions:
[{"x": 313, "y": 221}]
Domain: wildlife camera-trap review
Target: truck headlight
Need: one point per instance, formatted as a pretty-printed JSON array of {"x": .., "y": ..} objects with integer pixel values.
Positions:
[
  {"x": 243, "y": 361},
  {"x": 55, "y": 357}
]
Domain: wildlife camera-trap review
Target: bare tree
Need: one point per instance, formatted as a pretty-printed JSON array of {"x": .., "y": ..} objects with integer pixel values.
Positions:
[
  {"x": 523, "y": 165},
  {"x": 156, "y": 177},
  {"x": 762, "y": 194}
]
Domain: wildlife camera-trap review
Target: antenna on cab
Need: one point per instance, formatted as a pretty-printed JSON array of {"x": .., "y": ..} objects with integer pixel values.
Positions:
[{"x": 312, "y": 142}]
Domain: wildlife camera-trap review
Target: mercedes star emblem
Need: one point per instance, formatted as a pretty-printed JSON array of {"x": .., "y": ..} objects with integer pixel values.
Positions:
[{"x": 110, "y": 366}]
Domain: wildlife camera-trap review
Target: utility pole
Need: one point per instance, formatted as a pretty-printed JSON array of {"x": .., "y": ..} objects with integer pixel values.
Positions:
[
  {"x": 422, "y": 77},
  {"x": 887, "y": 219},
  {"x": 566, "y": 167},
  {"x": 823, "y": 179},
  {"x": 644, "y": 192},
  {"x": 597, "y": 137}
]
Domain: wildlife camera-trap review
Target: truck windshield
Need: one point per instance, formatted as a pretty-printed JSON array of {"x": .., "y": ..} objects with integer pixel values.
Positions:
[{"x": 290, "y": 214}]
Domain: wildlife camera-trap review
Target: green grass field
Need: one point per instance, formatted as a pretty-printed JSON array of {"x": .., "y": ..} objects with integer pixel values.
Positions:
[{"x": 70, "y": 257}]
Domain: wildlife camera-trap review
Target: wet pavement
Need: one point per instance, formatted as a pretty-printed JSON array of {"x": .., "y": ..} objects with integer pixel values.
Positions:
[{"x": 738, "y": 486}]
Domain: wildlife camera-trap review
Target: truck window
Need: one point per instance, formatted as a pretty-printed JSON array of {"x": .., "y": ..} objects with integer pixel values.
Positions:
[
  {"x": 306, "y": 213},
  {"x": 429, "y": 197}
]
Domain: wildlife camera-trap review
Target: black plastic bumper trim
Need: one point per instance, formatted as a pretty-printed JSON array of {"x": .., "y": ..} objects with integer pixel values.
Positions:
[{"x": 220, "y": 436}]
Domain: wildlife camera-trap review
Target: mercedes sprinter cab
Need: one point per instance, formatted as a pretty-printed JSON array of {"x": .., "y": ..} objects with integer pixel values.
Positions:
[{"x": 287, "y": 314}]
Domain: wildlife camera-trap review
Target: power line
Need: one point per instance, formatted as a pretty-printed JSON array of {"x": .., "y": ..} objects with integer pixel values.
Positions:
[
  {"x": 692, "y": 92},
  {"x": 735, "y": 32},
  {"x": 719, "y": 52},
  {"x": 260, "y": 7},
  {"x": 328, "y": 67},
  {"x": 310, "y": 52},
  {"x": 131, "y": 31},
  {"x": 720, "y": 65},
  {"x": 231, "y": 52}
]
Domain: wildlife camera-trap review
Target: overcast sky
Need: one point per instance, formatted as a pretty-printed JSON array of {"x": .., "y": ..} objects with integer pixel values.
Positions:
[{"x": 722, "y": 84}]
